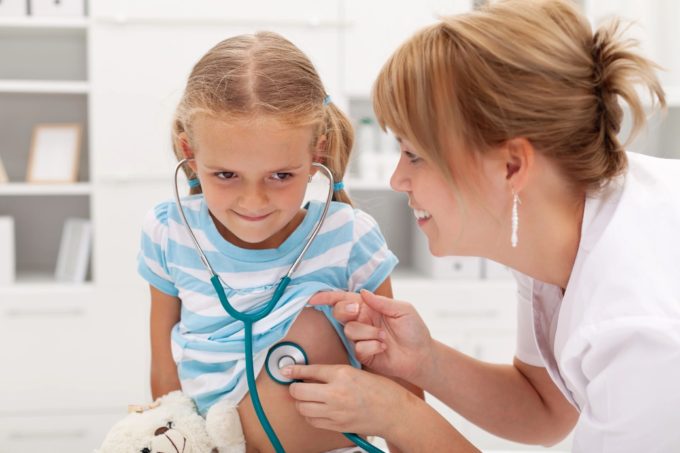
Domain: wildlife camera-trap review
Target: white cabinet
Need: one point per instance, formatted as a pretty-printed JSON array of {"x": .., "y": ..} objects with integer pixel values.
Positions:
[
  {"x": 68, "y": 351},
  {"x": 65, "y": 433}
]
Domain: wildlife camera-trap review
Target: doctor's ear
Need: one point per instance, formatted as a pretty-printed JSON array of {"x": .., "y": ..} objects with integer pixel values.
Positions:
[{"x": 518, "y": 154}]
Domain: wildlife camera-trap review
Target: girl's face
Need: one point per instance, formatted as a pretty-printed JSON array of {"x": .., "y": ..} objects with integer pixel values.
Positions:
[
  {"x": 254, "y": 175},
  {"x": 456, "y": 221}
]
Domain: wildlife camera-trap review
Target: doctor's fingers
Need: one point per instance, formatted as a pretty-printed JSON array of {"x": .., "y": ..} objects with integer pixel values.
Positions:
[
  {"x": 358, "y": 331},
  {"x": 366, "y": 350},
  {"x": 346, "y": 305},
  {"x": 319, "y": 373},
  {"x": 309, "y": 392},
  {"x": 314, "y": 410},
  {"x": 325, "y": 423},
  {"x": 391, "y": 308}
]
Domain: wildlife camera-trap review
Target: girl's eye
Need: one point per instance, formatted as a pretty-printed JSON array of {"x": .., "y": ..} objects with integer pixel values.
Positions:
[
  {"x": 225, "y": 175},
  {"x": 281, "y": 176},
  {"x": 411, "y": 157}
]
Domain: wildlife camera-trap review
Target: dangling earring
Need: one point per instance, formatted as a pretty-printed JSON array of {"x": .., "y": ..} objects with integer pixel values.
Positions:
[{"x": 515, "y": 218}]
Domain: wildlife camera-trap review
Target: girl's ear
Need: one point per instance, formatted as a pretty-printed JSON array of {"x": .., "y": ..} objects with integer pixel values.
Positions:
[
  {"x": 320, "y": 148},
  {"x": 187, "y": 151}
]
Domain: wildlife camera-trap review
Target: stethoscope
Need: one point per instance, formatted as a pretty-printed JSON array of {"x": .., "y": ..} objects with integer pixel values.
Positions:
[{"x": 281, "y": 354}]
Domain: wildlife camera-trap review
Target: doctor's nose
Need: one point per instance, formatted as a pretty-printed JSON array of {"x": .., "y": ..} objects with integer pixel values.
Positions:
[{"x": 399, "y": 181}]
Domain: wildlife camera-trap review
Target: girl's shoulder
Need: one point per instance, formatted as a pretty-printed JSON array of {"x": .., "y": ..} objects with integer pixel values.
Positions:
[
  {"x": 166, "y": 210},
  {"x": 340, "y": 213}
]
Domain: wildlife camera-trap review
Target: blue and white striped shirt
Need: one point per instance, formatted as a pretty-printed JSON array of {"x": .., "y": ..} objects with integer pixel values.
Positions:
[{"x": 349, "y": 253}]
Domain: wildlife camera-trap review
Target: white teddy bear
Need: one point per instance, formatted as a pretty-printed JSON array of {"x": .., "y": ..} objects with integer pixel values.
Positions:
[{"x": 172, "y": 425}]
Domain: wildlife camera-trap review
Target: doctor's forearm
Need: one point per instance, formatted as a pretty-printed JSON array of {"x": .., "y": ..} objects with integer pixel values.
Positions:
[
  {"x": 418, "y": 427},
  {"x": 498, "y": 398}
]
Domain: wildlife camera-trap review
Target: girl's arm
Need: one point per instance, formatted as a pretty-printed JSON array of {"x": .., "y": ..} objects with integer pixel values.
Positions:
[{"x": 165, "y": 310}]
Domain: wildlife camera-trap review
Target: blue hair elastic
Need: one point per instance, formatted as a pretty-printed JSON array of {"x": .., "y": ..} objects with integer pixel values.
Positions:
[
  {"x": 194, "y": 182},
  {"x": 338, "y": 186},
  {"x": 327, "y": 100}
]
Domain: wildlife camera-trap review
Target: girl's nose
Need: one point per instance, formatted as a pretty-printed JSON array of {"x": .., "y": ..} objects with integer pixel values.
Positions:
[{"x": 254, "y": 198}]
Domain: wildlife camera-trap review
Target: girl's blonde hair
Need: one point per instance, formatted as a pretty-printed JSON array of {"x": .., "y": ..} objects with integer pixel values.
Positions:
[
  {"x": 518, "y": 68},
  {"x": 265, "y": 74}
]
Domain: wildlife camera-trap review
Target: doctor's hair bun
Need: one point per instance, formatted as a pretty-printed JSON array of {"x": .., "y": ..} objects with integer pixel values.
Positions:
[{"x": 617, "y": 70}]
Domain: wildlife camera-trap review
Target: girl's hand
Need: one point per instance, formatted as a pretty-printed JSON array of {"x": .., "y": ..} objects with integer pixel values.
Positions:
[
  {"x": 390, "y": 337},
  {"x": 345, "y": 399}
]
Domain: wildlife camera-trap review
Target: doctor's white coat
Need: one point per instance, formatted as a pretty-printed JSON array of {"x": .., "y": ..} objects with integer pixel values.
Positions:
[{"x": 612, "y": 342}]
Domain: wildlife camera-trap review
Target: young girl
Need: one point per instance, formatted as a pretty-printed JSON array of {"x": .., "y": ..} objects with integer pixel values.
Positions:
[{"x": 254, "y": 117}]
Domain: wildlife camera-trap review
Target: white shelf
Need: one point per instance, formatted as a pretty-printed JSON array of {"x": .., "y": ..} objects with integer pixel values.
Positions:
[
  {"x": 33, "y": 189},
  {"x": 44, "y": 86},
  {"x": 49, "y": 23},
  {"x": 44, "y": 284}
]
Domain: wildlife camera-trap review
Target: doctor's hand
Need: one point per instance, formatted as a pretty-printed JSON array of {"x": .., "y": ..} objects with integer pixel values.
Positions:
[
  {"x": 345, "y": 399},
  {"x": 389, "y": 336}
]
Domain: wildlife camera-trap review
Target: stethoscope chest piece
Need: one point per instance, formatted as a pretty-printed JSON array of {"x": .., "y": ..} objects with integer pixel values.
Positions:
[{"x": 280, "y": 356}]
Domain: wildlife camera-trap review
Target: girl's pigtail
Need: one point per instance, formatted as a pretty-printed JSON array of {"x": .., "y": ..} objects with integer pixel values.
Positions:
[{"x": 339, "y": 142}]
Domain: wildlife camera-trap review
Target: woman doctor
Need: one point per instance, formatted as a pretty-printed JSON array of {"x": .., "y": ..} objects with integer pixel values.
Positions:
[{"x": 508, "y": 120}]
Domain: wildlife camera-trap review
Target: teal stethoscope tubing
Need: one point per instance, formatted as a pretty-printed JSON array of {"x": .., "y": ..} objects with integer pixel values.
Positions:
[{"x": 249, "y": 319}]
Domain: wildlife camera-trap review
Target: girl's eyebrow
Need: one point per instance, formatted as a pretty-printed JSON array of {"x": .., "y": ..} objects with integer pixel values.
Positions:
[{"x": 278, "y": 170}]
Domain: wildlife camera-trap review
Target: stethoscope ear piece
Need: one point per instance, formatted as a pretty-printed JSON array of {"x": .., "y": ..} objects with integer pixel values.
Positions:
[{"x": 282, "y": 355}]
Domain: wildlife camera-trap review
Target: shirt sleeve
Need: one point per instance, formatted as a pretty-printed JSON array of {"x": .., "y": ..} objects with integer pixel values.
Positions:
[
  {"x": 370, "y": 261},
  {"x": 527, "y": 349},
  {"x": 151, "y": 260},
  {"x": 631, "y": 377}
]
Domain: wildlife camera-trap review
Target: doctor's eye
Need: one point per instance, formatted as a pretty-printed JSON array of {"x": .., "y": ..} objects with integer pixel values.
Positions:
[
  {"x": 413, "y": 158},
  {"x": 224, "y": 175},
  {"x": 281, "y": 176}
]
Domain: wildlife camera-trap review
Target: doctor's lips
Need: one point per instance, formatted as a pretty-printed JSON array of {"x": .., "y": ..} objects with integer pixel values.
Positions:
[{"x": 421, "y": 215}]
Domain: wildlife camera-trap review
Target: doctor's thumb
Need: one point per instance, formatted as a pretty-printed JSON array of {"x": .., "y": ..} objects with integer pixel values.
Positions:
[{"x": 384, "y": 305}]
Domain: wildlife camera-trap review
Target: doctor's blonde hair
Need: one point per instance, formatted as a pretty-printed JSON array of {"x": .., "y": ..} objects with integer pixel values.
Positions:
[
  {"x": 518, "y": 68},
  {"x": 247, "y": 76}
]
